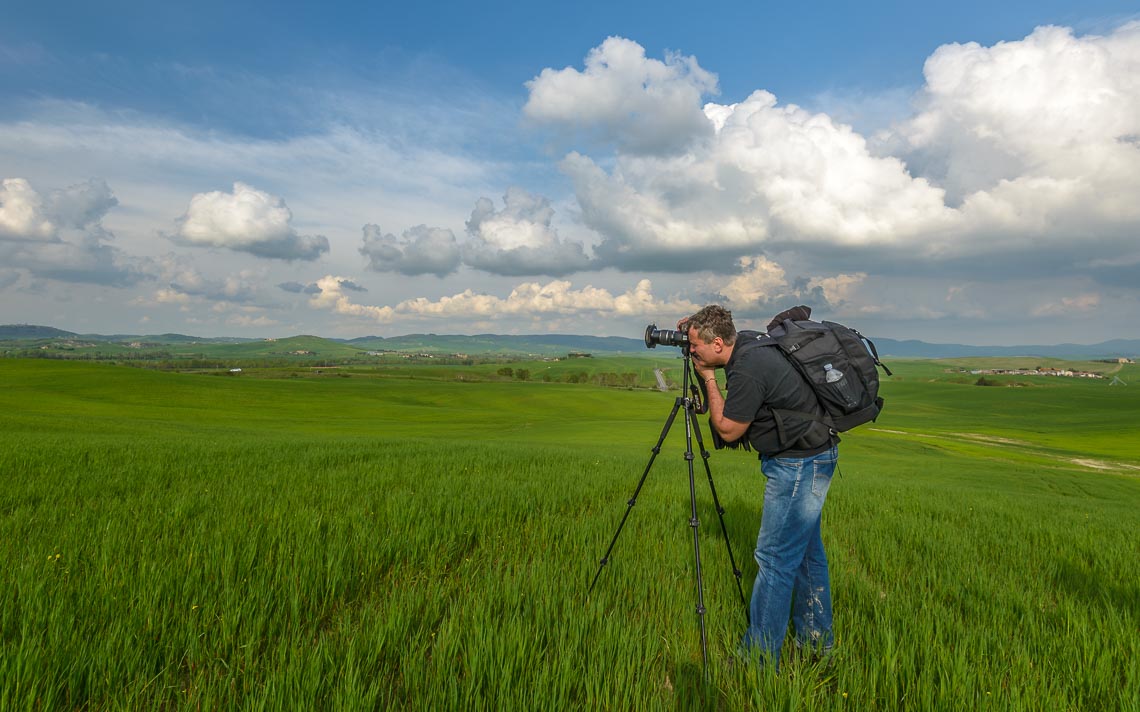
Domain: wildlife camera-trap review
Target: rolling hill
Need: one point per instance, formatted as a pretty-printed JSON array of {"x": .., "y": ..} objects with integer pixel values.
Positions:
[{"x": 513, "y": 345}]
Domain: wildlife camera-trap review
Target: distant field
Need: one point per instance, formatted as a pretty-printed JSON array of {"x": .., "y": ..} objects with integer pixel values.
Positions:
[{"x": 422, "y": 537}]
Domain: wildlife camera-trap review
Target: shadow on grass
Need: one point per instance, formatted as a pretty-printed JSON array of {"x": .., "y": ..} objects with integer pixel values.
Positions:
[
  {"x": 692, "y": 690},
  {"x": 1095, "y": 587}
]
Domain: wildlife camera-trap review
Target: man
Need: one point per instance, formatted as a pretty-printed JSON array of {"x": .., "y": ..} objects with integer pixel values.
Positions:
[{"x": 798, "y": 467}]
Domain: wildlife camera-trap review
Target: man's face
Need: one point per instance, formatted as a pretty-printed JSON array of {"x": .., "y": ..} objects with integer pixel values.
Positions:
[{"x": 708, "y": 355}]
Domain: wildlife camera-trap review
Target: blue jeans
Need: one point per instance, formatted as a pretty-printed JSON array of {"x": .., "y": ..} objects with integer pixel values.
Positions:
[{"x": 793, "y": 566}]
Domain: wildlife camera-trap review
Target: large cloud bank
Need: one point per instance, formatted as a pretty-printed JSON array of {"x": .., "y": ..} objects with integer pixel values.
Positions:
[
  {"x": 1034, "y": 139},
  {"x": 1027, "y": 144},
  {"x": 1019, "y": 160}
]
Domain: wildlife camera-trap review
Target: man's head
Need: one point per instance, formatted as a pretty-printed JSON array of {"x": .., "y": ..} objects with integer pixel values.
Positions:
[{"x": 711, "y": 335}]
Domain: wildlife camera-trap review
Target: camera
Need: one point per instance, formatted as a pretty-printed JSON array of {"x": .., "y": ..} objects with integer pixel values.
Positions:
[{"x": 665, "y": 337}]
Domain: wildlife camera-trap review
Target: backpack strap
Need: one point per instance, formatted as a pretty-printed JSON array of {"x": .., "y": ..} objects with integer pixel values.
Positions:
[
  {"x": 874, "y": 352},
  {"x": 781, "y": 414}
]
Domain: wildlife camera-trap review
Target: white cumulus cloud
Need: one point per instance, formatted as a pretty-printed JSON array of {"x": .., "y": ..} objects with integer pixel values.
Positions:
[
  {"x": 246, "y": 220},
  {"x": 60, "y": 235},
  {"x": 760, "y": 286},
  {"x": 420, "y": 250},
  {"x": 643, "y": 105},
  {"x": 771, "y": 176},
  {"x": 527, "y": 300},
  {"x": 26, "y": 215},
  {"x": 1036, "y": 139},
  {"x": 760, "y": 279},
  {"x": 183, "y": 283},
  {"x": 330, "y": 296},
  {"x": 840, "y": 288},
  {"x": 22, "y": 212},
  {"x": 520, "y": 239}
]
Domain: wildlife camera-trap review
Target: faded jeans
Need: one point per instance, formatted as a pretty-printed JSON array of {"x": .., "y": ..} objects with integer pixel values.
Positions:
[{"x": 793, "y": 566}]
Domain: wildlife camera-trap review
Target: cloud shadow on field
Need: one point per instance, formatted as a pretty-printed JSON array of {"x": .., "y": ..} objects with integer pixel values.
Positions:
[{"x": 1095, "y": 587}]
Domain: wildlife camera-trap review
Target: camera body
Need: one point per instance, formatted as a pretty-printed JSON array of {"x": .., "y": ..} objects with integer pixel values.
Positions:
[{"x": 665, "y": 337}]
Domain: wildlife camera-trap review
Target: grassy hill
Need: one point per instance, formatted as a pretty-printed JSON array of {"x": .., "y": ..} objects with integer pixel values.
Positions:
[
  {"x": 32, "y": 331},
  {"x": 309, "y": 347}
]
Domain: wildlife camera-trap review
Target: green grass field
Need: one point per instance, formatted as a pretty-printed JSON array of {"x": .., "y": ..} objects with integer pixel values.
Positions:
[{"x": 424, "y": 537}]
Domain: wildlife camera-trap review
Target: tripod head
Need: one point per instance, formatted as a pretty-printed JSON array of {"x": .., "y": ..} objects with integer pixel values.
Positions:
[
  {"x": 680, "y": 338},
  {"x": 694, "y": 385}
]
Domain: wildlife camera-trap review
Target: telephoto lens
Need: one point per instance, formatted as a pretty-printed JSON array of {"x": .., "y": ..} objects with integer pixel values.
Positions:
[{"x": 665, "y": 337}]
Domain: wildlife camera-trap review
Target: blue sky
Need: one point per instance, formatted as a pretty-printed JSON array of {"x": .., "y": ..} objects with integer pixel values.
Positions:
[{"x": 944, "y": 173}]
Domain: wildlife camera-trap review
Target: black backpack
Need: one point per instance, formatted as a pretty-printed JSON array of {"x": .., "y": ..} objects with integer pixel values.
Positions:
[{"x": 837, "y": 362}]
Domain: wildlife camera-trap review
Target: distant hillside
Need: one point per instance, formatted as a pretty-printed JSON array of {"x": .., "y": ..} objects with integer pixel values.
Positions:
[
  {"x": 311, "y": 346},
  {"x": 168, "y": 339},
  {"x": 531, "y": 344},
  {"x": 172, "y": 338},
  {"x": 31, "y": 331},
  {"x": 13, "y": 332}
]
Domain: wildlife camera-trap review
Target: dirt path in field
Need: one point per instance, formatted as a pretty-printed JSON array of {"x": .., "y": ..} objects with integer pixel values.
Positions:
[
  {"x": 1102, "y": 465},
  {"x": 1085, "y": 462}
]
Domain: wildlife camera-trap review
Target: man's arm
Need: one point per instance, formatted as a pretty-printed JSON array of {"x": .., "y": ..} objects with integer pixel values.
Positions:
[{"x": 728, "y": 428}]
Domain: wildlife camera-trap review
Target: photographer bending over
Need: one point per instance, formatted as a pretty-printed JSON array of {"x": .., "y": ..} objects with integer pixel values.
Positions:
[{"x": 798, "y": 468}]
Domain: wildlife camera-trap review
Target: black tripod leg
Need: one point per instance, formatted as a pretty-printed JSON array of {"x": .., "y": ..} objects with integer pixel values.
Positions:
[
  {"x": 720, "y": 513},
  {"x": 695, "y": 523},
  {"x": 640, "y": 483}
]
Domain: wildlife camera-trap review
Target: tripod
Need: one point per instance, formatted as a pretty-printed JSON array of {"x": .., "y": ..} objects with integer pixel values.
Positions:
[{"x": 692, "y": 406}]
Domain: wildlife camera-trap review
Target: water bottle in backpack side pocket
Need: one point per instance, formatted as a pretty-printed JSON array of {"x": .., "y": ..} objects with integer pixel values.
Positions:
[{"x": 839, "y": 384}]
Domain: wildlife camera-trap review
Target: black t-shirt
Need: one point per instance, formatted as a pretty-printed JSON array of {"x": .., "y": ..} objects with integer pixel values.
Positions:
[{"x": 759, "y": 378}]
